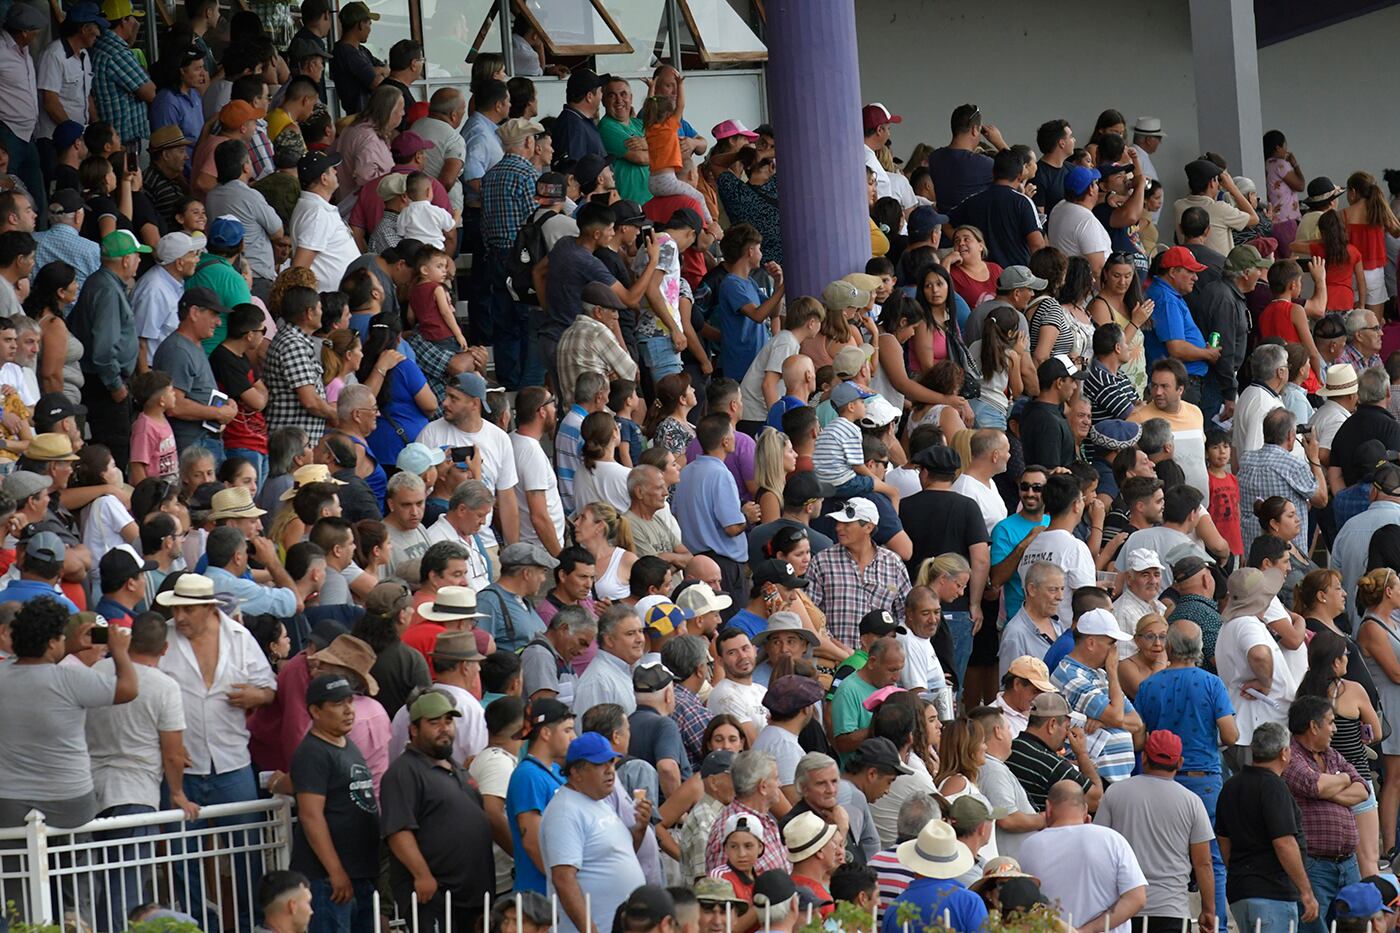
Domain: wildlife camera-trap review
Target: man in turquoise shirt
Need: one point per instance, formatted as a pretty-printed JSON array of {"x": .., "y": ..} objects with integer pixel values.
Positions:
[{"x": 1012, "y": 534}]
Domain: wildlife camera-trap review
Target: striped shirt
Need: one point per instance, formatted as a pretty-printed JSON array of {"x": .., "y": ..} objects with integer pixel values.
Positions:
[
  {"x": 1039, "y": 768},
  {"x": 892, "y": 877},
  {"x": 1086, "y": 689},
  {"x": 838, "y": 448},
  {"x": 568, "y": 446},
  {"x": 1111, "y": 394}
]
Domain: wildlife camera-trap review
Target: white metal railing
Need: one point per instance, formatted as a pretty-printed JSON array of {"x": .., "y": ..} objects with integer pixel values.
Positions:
[{"x": 94, "y": 875}]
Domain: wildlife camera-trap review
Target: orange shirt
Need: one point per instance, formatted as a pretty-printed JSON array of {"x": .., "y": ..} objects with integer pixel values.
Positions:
[{"x": 664, "y": 144}]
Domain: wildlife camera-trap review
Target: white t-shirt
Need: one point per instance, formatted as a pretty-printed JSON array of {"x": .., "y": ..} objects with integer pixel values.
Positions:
[
  {"x": 885, "y": 809},
  {"x": 426, "y": 222},
  {"x": 408, "y": 546},
  {"x": 922, "y": 669},
  {"x": 1075, "y": 231},
  {"x": 1085, "y": 867},
  {"x": 770, "y": 359},
  {"x": 1064, "y": 550},
  {"x": 991, "y": 503},
  {"x": 492, "y": 770},
  {"x": 478, "y": 567},
  {"x": 448, "y": 143},
  {"x": 317, "y": 225},
  {"x": 534, "y": 473},
  {"x": 23, "y": 380},
  {"x": 471, "y": 727},
  {"x": 742, "y": 701},
  {"x": 784, "y": 747},
  {"x": 497, "y": 457},
  {"x": 102, "y": 525},
  {"x": 1237, "y": 636},
  {"x": 606, "y": 482},
  {"x": 124, "y": 741},
  {"x": 1325, "y": 422}
]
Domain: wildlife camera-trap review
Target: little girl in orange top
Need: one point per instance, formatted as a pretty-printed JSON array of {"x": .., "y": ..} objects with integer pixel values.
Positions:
[
  {"x": 431, "y": 306},
  {"x": 661, "y": 116}
]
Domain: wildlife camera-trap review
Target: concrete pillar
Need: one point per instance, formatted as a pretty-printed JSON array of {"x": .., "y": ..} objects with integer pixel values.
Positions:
[
  {"x": 1226, "y": 59},
  {"x": 813, "y": 80}
]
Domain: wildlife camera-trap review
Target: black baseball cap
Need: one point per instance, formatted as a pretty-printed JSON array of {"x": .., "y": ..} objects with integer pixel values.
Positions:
[
  {"x": 684, "y": 217},
  {"x": 328, "y": 688},
  {"x": 1387, "y": 479},
  {"x": 779, "y": 572},
  {"x": 651, "y": 678},
  {"x": 541, "y": 713},
  {"x": 202, "y": 297},
  {"x": 315, "y": 164},
  {"x": 716, "y": 762},
  {"x": 583, "y": 80},
  {"x": 55, "y": 406},
  {"x": 880, "y": 622},
  {"x": 800, "y": 489},
  {"x": 552, "y": 185},
  {"x": 879, "y": 753},
  {"x": 646, "y": 907},
  {"x": 628, "y": 212},
  {"x": 938, "y": 459},
  {"x": 118, "y": 566},
  {"x": 773, "y": 888}
]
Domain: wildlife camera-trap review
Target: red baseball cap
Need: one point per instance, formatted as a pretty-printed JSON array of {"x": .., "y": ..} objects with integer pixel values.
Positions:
[
  {"x": 1181, "y": 256},
  {"x": 1162, "y": 748},
  {"x": 875, "y": 116}
]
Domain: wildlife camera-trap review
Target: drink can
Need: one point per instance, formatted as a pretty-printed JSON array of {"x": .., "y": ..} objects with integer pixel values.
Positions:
[{"x": 1214, "y": 340}]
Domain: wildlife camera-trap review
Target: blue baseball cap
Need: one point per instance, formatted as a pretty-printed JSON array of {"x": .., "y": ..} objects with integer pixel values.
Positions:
[
  {"x": 846, "y": 393},
  {"x": 1357, "y": 900},
  {"x": 1079, "y": 178},
  {"x": 224, "y": 232},
  {"x": 473, "y": 385},
  {"x": 416, "y": 458},
  {"x": 594, "y": 749},
  {"x": 88, "y": 12},
  {"x": 923, "y": 220}
]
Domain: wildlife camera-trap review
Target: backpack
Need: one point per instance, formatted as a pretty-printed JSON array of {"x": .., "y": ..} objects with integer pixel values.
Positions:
[{"x": 525, "y": 254}]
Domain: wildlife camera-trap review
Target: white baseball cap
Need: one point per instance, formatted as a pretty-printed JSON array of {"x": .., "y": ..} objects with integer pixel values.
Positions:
[
  {"x": 857, "y": 510},
  {"x": 1143, "y": 558},
  {"x": 1101, "y": 622}
]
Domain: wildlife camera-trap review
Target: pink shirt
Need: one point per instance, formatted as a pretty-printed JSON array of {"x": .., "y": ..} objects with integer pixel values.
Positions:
[
  {"x": 366, "y": 157},
  {"x": 153, "y": 443}
]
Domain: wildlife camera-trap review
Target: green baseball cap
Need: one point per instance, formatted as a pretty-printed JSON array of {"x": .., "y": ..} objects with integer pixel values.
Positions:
[
  {"x": 121, "y": 243},
  {"x": 432, "y": 704}
]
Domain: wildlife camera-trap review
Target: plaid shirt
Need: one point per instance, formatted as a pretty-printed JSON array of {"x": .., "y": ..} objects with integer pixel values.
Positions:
[
  {"x": 62, "y": 241},
  {"x": 588, "y": 346},
  {"x": 844, "y": 593},
  {"x": 507, "y": 199},
  {"x": 260, "y": 152},
  {"x": 774, "y": 852},
  {"x": 1359, "y": 360},
  {"x": 293, "y": 360},
  {"x": 116, "y": 75},
  {"x": 692, "y": 717},
  {"x": 1086, "y": 690},
  {"x": 1273, "y": 471},
  {"x": 1329, "y": 828}
]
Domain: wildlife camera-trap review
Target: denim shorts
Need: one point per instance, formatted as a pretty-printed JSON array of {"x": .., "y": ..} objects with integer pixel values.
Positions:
[
  {"x": 659, "y": 356},
  {"x": 1369, "y": 803}
]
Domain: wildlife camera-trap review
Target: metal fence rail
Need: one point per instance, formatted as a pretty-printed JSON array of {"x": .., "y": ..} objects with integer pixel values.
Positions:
[{"x": 92, "y": 876}]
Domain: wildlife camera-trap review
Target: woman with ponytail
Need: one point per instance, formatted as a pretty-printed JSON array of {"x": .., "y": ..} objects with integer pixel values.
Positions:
[
  {"x": 603, "y": 531},
  {"x": 1369, "y": 218},
  {"x": 666, "y": 423},
  {"x": 1346, "y": 273},
  {"x": 602, "y": 477}
]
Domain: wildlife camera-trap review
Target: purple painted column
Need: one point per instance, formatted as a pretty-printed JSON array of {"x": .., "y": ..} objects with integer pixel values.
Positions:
[{"x": 813, "y": 82}]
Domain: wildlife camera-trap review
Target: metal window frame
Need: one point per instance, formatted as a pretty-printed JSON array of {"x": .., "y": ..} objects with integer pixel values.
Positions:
[
  {"x": 621, "y": 47},
  {"x": 705, "y": 54}
]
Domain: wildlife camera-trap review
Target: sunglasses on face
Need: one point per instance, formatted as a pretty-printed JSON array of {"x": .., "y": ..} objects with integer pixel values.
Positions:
[{"x": 1032, "y": 487}]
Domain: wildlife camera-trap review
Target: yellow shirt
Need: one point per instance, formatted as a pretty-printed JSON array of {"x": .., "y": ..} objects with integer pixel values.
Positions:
[
  {"x": 277, "y": 121},
  {"x": 879, "y": 243}
]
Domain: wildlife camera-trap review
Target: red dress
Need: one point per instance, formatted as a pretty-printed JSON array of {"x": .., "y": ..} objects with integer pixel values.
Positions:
[
  {"x": 1276, "y": 320},
  {"x": 1341, "y": 287}
]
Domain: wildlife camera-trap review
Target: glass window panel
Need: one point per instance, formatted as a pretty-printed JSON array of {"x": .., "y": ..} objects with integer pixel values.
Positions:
[
  {"x": 715, "y": 31},
  {"x": 643, "y": 24},
  {"x": 451, "y": 28},
  {"x": 393, "y": 24},
  {"x": 573, "y": 27}
]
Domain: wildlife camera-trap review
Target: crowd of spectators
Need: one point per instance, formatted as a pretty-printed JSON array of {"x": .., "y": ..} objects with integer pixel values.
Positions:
[{"x": 468, "y": 476}]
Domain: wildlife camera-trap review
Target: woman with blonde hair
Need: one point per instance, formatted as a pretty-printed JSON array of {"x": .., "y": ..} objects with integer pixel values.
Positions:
[
  {"x": 1150, "y": 637},
  {"x": 341, "y": 356},
  {"x": 974, "y": 278},
  {"x": 961, "y": 756},
  {"x": 1378, "y": 597},
  {"x": 948, "y": 576},
  {"x": 603, "y": 531},
  {"x": 1369, "y": 218},
  {"x": 774, "y": 460}
]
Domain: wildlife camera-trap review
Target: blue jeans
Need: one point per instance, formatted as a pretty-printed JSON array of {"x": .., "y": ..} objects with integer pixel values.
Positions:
[
  {"x": 857, "y": 485},
  {"x": 1327, "y": 878},
  {"x": 24, "y": 163},
  {"x": 1212, "y": 398},
  {"x": 1208, "y": 789},
  {"x": 206, "y": 789},
  {"x": 124, "y": 888},
  {"x": 258, "y": 460},
  {"x": 1272, "y": 916},
  {"x": 215, "y": 445},
  {"x": 960, "y": 624},
  {"x": 510, "y": 330},
  {"x": 354, "y": 916}
]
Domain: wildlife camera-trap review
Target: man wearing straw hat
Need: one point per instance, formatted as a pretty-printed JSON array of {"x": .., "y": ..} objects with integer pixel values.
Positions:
[
  {"x": 938, "y": 858},
  {"x": 816, "y": 850},
  {"x": 1091, "y": 870},
  {"x": 427, "y": 815}
]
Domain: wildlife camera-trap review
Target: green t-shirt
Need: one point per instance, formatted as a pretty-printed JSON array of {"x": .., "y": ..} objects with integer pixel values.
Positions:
[
  {"x": 848, "y": 712},
  {"x": 216, "y": 274},
  {"x": 632, "y": 178}
]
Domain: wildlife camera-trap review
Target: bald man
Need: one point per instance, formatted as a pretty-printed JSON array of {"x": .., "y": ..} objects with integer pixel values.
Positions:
[{"x": 1091, "y": 870}]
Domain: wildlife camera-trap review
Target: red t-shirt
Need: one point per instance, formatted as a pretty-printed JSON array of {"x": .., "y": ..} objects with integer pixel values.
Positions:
[
  {"x": 1341, "y": 290},
  {"x": 973, "y": 291},
  {"x": 423, "y": 300},
  {"x": 1224, "y": 510},
  {"x": 1276, "y": 320}
]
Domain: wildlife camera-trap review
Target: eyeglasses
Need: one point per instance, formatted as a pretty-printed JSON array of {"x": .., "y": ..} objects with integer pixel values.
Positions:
[
  {"x": 1152, "y": 638},
  {"x": 1032, "y": 487},
  {"x": 374, "y": 408}
]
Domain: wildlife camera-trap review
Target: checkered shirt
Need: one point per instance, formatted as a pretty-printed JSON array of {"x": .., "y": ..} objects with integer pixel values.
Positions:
[
  {"x": 507, "y": 199},
  {"x": 1273, "y": 471},
  {"x": 844, "y": 593},
  {"x": 692, "y": 717},
  {"x": 774, "y": 855},
  {"x": 293, "y": 360},
  {"x": 1086, "y": 690},
  {"x": 1329, "y": 828},
  {"x": 116, "y": 75},
  {"x": 588, "y": 346},
  {"x": 62, "y": 241}
]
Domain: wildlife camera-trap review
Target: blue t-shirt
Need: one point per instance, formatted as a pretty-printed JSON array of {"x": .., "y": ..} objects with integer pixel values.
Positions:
[
  {"x": 1187, "y": 701},
  {"x": 932, "y": 896},
  {"x": 631, "y": 436},
  {"x": 1171, "y": 320},
  {"x": 781, "y": 407},
  {"x": 22, "y": 591},
  {"x": 1062, "y": 646},
  {"x": 706, "y": 502},
  {"x": 741, "y": 337},
  {"x": 405, "y": 382},
  {"x": 531, "y": 787},
  {"x": 750, "y": 623},
  {"x": 1008, "y": 533}
]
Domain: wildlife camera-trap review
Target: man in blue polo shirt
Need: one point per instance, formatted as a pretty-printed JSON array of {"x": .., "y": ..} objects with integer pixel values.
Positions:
[
  {"x": 1174, "y": 332},
  {"x": 40, "y": 564},
  {"x": 937, "y": 858},
  {"x": 706, "y": 504},
  {"x": 548, "y": 730}
]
